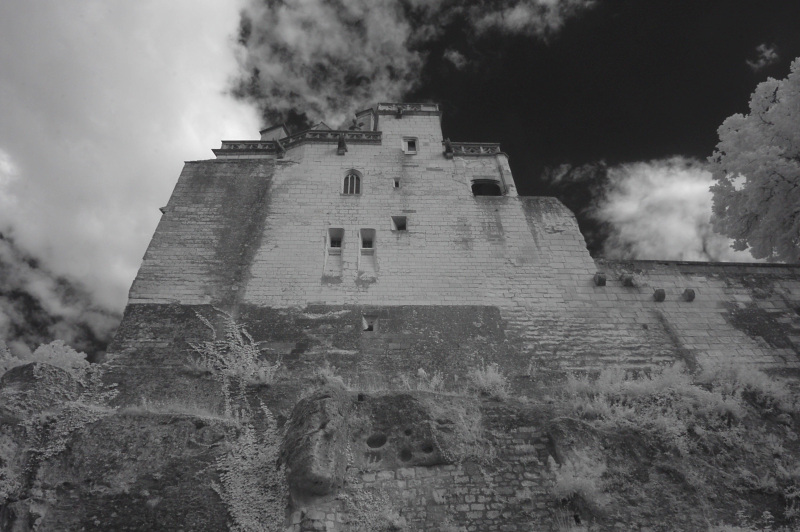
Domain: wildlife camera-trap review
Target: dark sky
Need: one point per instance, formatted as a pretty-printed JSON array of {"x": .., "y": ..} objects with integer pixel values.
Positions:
[
  {"x": 585, "y": 85},
  {"x": 623, "y": 81}
]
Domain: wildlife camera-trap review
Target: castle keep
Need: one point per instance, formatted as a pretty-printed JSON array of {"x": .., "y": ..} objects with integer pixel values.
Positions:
[
  {"x": 421, "y": 238},
  {"x": 297, "y": 345}
]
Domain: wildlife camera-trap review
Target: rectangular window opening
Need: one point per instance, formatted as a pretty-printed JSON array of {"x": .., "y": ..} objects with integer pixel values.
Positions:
[
  {"x": 335, "y": 238},
  {"x": 410, "y": 145},
  {"x": 399, "y": 223},
  {"x": 396, "y": 183},
  {"x": 369, "y": 323},
  {"x": 367, "y": 239}
]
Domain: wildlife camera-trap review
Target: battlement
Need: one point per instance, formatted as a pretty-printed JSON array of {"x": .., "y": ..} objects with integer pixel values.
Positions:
[{"x": 367, "y": 128}]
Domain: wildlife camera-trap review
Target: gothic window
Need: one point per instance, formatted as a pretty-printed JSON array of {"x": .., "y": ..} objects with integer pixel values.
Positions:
[{"x": 352, "y": 183}]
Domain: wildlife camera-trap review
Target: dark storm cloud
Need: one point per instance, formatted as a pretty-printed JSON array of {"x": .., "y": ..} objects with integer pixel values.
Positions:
[{"x": 37, "y": 307}]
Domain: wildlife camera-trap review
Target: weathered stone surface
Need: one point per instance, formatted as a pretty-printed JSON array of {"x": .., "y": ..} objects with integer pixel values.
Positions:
[
  {"x": 393, "y": 430},
  {"x": 128, "y": 471},
  {"x": 32, "y": 388},
  {"x": 315, "y": 446}
]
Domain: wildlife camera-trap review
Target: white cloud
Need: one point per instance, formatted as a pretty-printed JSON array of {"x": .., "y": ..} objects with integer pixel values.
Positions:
[
  {"x": 456, "y": 57},
  {"x": 766, "y": 55},
  {"x": 661, "y": 210},
  {"x": 100, "y": 104},
  {"x": 532, "y": 17},
  {"x": 329, "y": 58}
]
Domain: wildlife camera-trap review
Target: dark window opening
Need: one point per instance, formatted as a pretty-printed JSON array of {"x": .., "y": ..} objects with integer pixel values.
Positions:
[
  {"x": 398, "y": 223},
  {"x": 369, "y": 323},
  {"x": 486, "y": 188},
  {"x": 367, "y": 238},
  {"x": 335, "y": 237},
  {"x": 412, "y": 145},
  {"x": 352, "y": 184},
  {"x": 396, "y": 183}
]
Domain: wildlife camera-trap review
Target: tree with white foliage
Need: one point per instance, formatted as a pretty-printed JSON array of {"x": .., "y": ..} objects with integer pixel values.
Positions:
[{"x": 757, "y": 169}]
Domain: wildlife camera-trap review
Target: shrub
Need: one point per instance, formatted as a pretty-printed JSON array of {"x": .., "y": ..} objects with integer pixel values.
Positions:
[
  {"x": 237, "y": 355},
  {"x": 745, "y": 382},
  {"x": 252, "y": 483},
  {"x": 56, "y": 353},
  {"x": 579, "y": 476},
  {"x": 424, "y": 382},
  {"x": 665, "y": 402},
  {"x": 488, "y": 380},
  {"x": 326, "y": 375}
]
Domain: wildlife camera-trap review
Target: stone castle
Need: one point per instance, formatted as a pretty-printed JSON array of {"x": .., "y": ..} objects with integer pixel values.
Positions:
[
  {"x": 393, "y": 261},
  {"x": 426, "y": 241}
]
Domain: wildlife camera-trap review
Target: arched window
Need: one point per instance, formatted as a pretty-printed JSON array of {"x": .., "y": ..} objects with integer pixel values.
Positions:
[{"x": 352, "y": 183}]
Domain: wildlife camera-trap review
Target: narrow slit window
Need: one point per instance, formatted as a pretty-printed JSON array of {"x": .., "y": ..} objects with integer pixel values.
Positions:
[
  {"x": 396, "y": 183},
  {"x": 399, "y": 223},
  {"x": 352, "y": 184}
]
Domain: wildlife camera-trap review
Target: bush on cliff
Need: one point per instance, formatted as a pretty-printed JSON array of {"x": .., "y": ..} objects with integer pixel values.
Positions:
[{"x": 699, "y": 448}]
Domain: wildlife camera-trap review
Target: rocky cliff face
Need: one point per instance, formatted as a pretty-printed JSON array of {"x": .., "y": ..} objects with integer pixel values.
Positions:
[{"x": 260, "y": 445}]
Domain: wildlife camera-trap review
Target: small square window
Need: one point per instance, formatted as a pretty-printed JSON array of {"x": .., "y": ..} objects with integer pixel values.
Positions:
[
  {"x": 369, "y": 323},
  {"x": 410, "y": 145},
  {"x": 399, "y": 223},
  {"x": 396, "y": 183}
]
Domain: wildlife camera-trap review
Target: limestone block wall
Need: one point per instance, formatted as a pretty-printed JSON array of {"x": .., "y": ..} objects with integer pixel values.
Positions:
[
  {"x": 204, "y": 241},
  {"x": 747, "y": 313},
  {"x": 255, "y": 233},
  {"x": 256, "y": 230}
]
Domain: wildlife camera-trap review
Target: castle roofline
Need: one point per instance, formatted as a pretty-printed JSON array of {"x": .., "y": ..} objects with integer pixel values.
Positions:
[
  {"x": 271, "y": 128},
  {"x": 409, "y": 108}
]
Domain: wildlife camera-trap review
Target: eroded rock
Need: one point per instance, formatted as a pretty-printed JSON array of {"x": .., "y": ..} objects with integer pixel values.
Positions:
[
  {"x": 30, "y": 389},
  {"x": 315, "y": 446}
]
